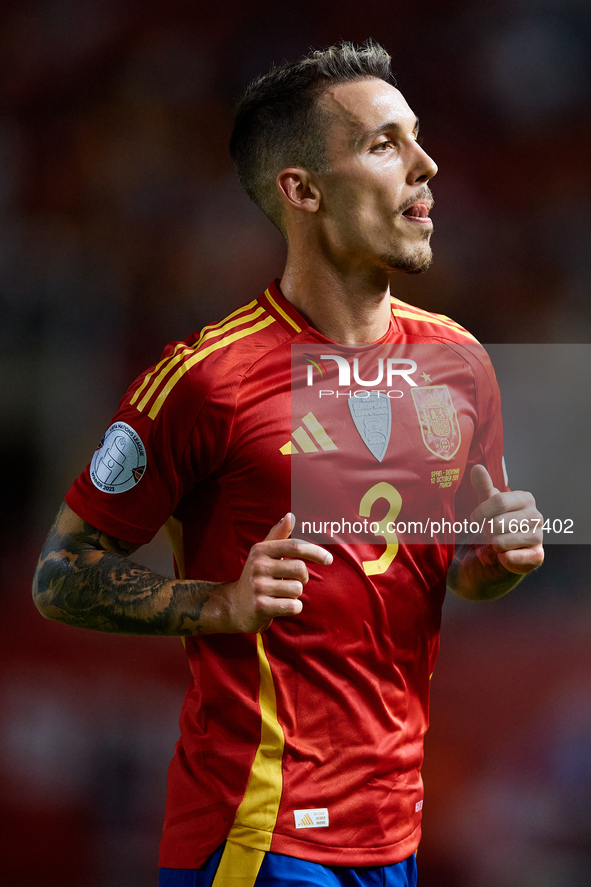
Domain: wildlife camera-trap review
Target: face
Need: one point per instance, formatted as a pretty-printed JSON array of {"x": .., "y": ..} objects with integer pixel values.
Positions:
[{"x": 375, "y": 197}]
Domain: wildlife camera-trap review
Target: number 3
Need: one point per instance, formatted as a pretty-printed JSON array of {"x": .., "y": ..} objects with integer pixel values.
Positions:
[{"x": 385, "y": 491}]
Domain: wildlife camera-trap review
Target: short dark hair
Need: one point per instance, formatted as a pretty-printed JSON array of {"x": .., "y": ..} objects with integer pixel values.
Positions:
[{"x": 277, "y": 122}]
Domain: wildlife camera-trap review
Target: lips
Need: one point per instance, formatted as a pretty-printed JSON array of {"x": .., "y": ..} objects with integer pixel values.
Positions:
[{"x": 417, "y": 211}]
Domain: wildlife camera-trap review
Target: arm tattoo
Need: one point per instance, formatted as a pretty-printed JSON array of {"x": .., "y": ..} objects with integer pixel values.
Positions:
[{"x": 85, "y": 579}]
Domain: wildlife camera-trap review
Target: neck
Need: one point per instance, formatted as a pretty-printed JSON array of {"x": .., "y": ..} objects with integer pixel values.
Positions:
[{"x": 350, "y": 310}]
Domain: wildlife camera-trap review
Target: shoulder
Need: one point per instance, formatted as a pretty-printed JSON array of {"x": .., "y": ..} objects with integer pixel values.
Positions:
[
  {"x": 421, "y": 325},
  {"x": 417, "y": 326},
  {"x": 215, "y": 358}
]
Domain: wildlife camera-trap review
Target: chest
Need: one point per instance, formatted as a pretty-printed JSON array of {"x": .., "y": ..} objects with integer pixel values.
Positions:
[{"x": 355, "y": 437}]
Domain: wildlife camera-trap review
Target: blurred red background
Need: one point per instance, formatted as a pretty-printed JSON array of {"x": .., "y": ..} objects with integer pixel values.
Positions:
[{"x": 122, "y": 227}]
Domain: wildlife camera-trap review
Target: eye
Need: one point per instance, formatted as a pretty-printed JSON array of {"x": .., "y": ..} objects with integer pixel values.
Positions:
[{"x": 381, "y": 146}]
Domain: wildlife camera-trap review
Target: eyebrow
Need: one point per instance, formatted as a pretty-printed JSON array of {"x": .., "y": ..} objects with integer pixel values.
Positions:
[{"x": 385, "y": 127}]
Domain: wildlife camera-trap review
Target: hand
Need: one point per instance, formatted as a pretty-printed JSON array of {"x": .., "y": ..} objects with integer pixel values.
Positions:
[
  {"x": 272, "y": 579},
  {"x": 519, "y": 552}
]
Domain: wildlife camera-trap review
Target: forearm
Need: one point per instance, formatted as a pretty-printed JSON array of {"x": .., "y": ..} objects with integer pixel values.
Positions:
[
  {"x": 80, "y": 582},
  {"x": 83, "y": 578},
  {"x": 477, "y": 575},
  {"x": 106, "y": 592}
]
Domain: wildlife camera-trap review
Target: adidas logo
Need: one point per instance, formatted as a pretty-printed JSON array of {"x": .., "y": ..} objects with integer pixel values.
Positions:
[
  {"x": 311, "y": 818},
  {"x": 305, "y": 442}
]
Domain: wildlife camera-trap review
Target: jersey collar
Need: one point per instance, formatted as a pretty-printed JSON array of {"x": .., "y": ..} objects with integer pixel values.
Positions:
[{"x": 283, "y": 311}]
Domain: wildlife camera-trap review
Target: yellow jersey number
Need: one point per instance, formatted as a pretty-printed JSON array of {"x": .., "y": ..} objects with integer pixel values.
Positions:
[{"x": 385, "y": 491}]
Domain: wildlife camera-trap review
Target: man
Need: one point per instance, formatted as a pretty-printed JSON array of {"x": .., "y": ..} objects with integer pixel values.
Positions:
[{"x": 301, "y": 746}]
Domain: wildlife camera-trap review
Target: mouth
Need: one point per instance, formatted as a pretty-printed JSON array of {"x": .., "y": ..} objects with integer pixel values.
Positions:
[{"x": 418, "y": 214}]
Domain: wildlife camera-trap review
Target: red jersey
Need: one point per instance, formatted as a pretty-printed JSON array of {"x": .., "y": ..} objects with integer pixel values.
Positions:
[{"x": 306, "y": 739}]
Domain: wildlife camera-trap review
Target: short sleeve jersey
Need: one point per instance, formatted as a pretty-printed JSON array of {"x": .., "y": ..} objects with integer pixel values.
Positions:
[{"x": 306, "y": 739}]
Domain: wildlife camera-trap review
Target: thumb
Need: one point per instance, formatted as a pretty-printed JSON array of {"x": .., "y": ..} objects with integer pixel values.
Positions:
[
  {"x": 283, "y": 529},
  {"x": 482, "y": 483}
]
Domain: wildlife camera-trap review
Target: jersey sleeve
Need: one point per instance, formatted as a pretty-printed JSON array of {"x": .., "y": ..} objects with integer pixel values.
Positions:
[
  {"x": 487, "y": 443},
  {"x": 170, "y": 432}
]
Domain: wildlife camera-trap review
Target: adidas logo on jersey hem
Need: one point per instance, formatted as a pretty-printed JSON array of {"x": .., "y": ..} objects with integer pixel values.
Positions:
[{"x": 317, "y": 818}]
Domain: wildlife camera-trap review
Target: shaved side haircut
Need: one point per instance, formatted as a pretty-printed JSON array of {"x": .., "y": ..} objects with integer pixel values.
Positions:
[{"x": 278, "y": 122}]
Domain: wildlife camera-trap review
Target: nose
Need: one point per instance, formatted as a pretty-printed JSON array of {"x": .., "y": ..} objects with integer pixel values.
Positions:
[{"x": 423, "y": 167}]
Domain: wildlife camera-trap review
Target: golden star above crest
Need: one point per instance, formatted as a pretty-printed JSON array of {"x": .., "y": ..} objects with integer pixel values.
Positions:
[{"x": 426, "y": 377}]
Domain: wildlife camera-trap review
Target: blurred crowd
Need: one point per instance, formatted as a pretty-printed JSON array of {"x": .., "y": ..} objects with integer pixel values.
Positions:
[{"x": 122, "y": 227}]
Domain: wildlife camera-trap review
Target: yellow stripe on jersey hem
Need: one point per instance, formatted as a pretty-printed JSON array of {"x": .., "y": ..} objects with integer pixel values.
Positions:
[
  {"x": 239, "y": 866},
  {"x": 450, "y": 325},
  {"x": 285, "y": 316},
  {"x": 257, "y": 814},
  {"x": 201, "y": 355}
]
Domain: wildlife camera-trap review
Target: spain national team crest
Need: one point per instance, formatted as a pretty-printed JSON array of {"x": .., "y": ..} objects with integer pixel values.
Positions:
[
  {"x": 439, "y": 421},
  {"x": 373, "y": 420}
]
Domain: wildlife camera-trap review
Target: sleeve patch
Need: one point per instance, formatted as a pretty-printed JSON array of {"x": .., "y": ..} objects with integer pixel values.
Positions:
[{"x": 119, "y": 461}]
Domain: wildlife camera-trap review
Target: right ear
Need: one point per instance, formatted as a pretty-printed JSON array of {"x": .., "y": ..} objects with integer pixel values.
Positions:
[{"x": 300, "y": 190}]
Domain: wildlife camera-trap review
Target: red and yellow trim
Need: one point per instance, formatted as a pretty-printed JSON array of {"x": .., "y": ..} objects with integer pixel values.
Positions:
[
  {"x": 239, "y": 866},
  {"x": 282, "y": 312},
  {"x": 169, "y": 359},
  {"x": 159, "y": 382},
  {"x": 232, "y": 320},
  {"x": 410, "y": 312},
  {"x": 256, "y": 817},
  {"x": 252, "y": 832},
  {"x": 201, "y": 355}
]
